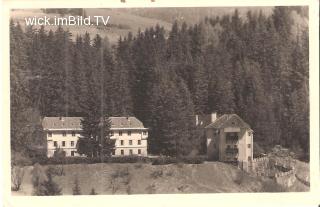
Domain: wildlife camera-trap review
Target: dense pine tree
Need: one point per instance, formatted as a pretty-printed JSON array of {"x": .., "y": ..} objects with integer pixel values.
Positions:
[{"x": 253, "y": 66}]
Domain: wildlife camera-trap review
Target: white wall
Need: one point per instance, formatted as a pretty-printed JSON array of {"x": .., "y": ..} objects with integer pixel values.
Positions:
[
  {"x": 135, "y": 136},
  {"x": 125, "y": 137},
  {"x": 220, "y": 140},
  {"x": 58, "y": 137}
]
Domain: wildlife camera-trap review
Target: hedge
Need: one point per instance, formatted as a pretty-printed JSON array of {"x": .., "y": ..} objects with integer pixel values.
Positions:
[{"x": 161, "y": 160}]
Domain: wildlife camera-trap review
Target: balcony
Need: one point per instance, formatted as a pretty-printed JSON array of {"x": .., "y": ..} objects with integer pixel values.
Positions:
[{"x": 232, "y": 138}]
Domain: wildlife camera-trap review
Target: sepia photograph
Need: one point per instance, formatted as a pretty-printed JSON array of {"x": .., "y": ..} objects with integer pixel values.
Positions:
[{"x": 159, "y": 100}]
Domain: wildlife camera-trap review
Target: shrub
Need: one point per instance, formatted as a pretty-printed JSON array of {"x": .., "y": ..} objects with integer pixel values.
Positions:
[
  {"x": 51, "y": 187},
  {"x": 93, "y": 192},
  {"x": 169, "y": 173},
  {"x": 19, "y": 159},
  {"x": 272, "y": 186},
  {"x": 56, "y": 170},
  {"x": 239, "y": 178},
  {"x": 172, "y": 160},
  {"x": 121, "y": 176},
  {"x": 138, "y": 166},
  {"x": 156, "y": 174},
  {"x": 193, "y": 159},
  {"x": 151, "y": 189},
  {"x": 38, "y": 177},
  {"x": 17, "y": 174},
  {"x": 76, "y": 188},
  {"x": 164, "y": 160}
]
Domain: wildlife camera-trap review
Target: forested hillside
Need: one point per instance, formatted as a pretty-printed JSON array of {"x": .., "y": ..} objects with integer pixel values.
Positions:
[{"x": 254, "y": 67}]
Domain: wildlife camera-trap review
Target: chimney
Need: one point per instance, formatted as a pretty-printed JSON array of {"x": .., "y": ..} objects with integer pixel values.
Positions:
[{"x": 213, "y": 117}]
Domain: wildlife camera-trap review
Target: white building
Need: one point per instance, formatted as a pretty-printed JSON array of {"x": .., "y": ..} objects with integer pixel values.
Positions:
[
  {"x": 64, "y": 132},
  {"x": 229, "y": 138}
]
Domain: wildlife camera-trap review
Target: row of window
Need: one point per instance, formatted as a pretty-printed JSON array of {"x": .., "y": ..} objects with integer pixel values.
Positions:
[
  {"x": 229, "y": 146},
  {"x": 130, "y": 142},
  {"x": 130, "y": 152},
  {"x": 63, "y": 134},
  {"x": 63, "y": 143},
  {"x": 111, "y": 133},
  {"x": 128, "y": 132}
]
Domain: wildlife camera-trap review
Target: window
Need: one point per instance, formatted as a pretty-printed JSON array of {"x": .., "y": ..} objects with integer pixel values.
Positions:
[
  {"x": 64, "y": 134},
  {"x": 130, "y": 142},
  {"x": 139, "y": 151},
  {"x": 72, "y": 153},
  {"x": 122, "y": 152},
  {"x": 121, "y": 142},
  {"x": 249, "y": 158},
  {"x": 249, "y": 145},
  {"x": 120, "y": 133},
  {"x": 139, "y": 142},
  {"x": 249, "y": 134},
  {"x": 72, "y": 143},
  {"x": 55, "y": 144},
  {"x": 111, "y": 134},
  {"x": 129, "y": 133},
  {"x": 113, "y": 152},
  {"x": 130, "y": 152},
  {"x": 73, "y": 134},
  {"x": 49, "y": 134},
  {"x": 144, "y": 133},
  {"x": 216, "y": 132},
  {"x": 63, "y": 143}
]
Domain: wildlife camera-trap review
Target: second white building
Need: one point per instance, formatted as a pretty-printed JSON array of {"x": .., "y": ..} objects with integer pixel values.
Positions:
[{"x": 63, "y": 132}]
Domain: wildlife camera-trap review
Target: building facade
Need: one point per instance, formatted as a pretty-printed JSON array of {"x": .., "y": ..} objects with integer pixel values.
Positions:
[
  {"x": 63, "y": 132},
  {"x": 229, "y": 138}
]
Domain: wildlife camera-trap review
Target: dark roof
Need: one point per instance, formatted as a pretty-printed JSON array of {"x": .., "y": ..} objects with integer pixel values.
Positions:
[
  {"x": 228, "y": 120},
  {"x": 74, "y": 123}
]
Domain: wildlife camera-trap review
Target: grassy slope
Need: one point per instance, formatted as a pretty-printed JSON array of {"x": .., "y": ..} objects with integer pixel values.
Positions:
[{"x": 205, "y": 178}]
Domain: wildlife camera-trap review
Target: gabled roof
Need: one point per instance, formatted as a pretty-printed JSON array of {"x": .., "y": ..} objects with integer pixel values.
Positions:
[
  {"x": 228, "y": 120},
  {"x": 74, "y": 123}
]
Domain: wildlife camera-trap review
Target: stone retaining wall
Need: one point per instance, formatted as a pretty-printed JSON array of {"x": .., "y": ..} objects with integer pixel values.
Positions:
[{"x": 269, "y": 167}]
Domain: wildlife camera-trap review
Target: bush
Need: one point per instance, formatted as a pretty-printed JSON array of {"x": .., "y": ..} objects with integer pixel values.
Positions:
[
  {"x": 193, "y": 159},
  {"x": 239, "y": 178},
  {"x": 76, "y": 188},
  {"x": 151, "y": 189},
  {"x": 90, "y": 160},
  {"x": 17, "y": 174},
  {"x": 272, "y": 186},
  {"x": 138, "y": 166},
  {"x": 38, "y": 177},
  {"x": 93, "y": 192},
  {"x": 19, "y": 159},
  {"x": 56, "y": 170},
  {"x": 172, "y": 160},
  {"x": 164, "y": 160},
  {"x": 156, "y": 174}
]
